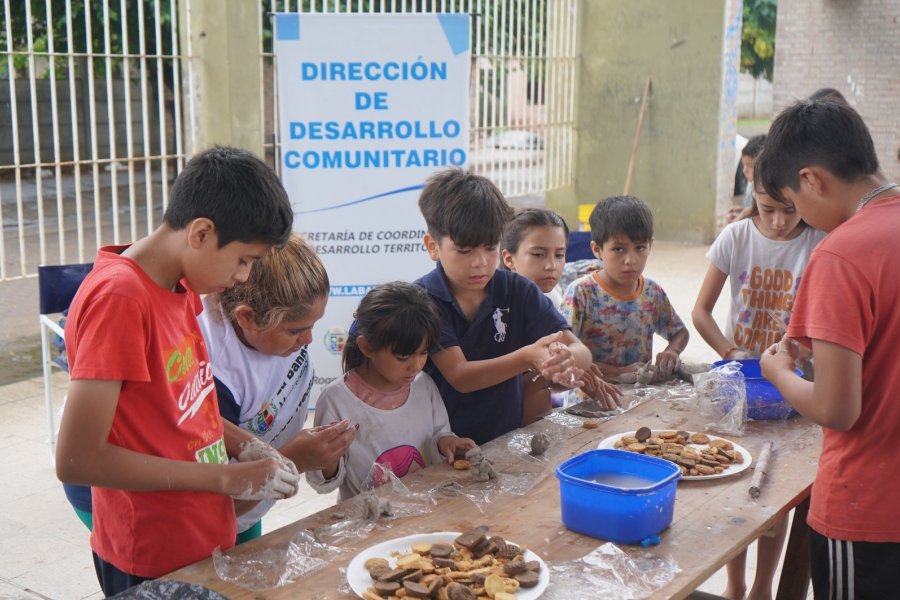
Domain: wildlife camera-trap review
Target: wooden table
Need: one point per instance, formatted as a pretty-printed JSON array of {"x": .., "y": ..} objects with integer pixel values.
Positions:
[{"x": 714, "y": 520}]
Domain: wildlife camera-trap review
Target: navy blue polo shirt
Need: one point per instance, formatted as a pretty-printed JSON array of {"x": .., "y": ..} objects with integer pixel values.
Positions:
[{"x": 514, "y": 314}]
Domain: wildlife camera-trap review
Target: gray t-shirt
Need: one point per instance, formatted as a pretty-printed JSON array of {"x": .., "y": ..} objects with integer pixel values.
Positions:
[{"x": 403, "y": 439}]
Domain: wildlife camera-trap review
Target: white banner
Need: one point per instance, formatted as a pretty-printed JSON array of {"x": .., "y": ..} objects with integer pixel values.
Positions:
[{"x": 370, "y": 105}]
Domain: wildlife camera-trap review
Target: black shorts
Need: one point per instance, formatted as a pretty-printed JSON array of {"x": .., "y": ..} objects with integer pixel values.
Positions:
[
  {"x": 112, "y": 579},
  {"x": 853, "y": 570}
]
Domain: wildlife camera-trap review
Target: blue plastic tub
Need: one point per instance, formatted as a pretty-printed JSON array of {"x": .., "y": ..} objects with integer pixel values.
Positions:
[
  {"x": 764, "y": 401},
  {"x": 599, "y": 502}
]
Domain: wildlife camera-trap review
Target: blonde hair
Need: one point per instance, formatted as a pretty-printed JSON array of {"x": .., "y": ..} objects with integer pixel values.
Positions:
[{"x": 282, "y": 285}]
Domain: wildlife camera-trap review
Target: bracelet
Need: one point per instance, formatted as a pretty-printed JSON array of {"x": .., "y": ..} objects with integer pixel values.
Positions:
[{"x": 729, "y": 351}]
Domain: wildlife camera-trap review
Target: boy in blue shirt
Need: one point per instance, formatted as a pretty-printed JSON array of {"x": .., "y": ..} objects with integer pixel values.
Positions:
[{"x": 496, "y": 324}]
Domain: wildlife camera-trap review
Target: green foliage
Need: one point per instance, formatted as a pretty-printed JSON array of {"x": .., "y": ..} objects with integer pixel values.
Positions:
[
  {"x": 44, "y": 30},
  {"x": 758, "y": 37}
]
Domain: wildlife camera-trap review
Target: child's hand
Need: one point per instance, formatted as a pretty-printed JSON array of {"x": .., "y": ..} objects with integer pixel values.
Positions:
[
  {"x": 320, "y": 448},
  {"x": 776, "y": 360},
  {"x": 263, "y": 479},
  {"x": 255, "y": 449},
  {"x": 597, "y": 389},
  {"x": 560, "y": 367},
  {"x": 450, "y": 445},
  {"x": 539, "y": 351},
  {"x": 666, "y": 363}
]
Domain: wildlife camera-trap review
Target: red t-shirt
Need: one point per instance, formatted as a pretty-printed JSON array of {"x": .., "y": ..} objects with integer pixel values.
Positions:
[
  {"x": 847, "y": 296},
  {"x": 122, "y": 326}
]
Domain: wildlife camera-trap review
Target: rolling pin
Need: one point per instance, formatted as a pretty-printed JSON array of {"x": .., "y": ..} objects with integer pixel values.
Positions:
[{"x": 762, "y": 465}]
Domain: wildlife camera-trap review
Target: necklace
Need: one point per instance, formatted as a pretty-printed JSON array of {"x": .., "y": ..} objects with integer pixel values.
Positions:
[{"x": 868, "y": 197}]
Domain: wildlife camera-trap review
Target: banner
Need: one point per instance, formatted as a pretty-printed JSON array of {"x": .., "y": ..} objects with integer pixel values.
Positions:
[{"x": 369, "y": 106}]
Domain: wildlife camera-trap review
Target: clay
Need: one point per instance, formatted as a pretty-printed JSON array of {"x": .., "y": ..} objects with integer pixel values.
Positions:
[
  {"x": 539, "y": 443},
  {"x": 482, "y": 468},
  {"x": 375, "y": 507}
]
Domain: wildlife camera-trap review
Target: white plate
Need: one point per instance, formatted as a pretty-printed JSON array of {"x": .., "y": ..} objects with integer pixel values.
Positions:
[
  {"x": 610, "y": 442},
  {"x": 359, "y": 579}
]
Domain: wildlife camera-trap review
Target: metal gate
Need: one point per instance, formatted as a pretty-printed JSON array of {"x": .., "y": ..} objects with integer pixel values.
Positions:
[
  {"x": 95, "y": 117},
  {"x": 91, "y": 132}
]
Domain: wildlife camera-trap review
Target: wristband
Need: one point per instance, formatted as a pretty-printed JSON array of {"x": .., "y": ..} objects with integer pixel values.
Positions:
[{"x": 729, "y": 351}]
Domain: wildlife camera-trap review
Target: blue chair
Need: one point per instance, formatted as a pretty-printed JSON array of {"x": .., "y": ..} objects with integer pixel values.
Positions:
[
  {"x": 57, "y": 285},
  {"x": 579, "y": 246}
]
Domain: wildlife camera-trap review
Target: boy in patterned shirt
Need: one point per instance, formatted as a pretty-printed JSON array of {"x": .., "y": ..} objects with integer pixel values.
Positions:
[{"x": 616, "y": 311}]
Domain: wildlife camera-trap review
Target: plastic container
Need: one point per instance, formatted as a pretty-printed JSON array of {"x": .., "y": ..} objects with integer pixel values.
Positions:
[
  {"x": 616, "y": 495},
  {"x": 764, "y": 401}
]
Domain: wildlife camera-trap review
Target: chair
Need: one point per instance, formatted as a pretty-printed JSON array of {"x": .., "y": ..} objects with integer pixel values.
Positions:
[{"x": 57, "y": 285}]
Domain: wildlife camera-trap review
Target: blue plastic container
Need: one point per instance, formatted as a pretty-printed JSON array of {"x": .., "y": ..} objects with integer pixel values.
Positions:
[
  {"x": 625, "y": 515},
  {"x": 764, "y": 401}
]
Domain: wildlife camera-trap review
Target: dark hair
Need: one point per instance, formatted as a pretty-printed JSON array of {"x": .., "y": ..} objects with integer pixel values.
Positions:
[
  {"x": 524, "y": 220},
  {"x": 396, "y": 315},
  {"x": 467, "y": 207},
  {"x": 236, "y": 191},
  {"x": 617, "y": 215},
  {"x": 827, "y": 93},
  {"x": 754, "y": 146},
  {"x": 821, "y": 133}
]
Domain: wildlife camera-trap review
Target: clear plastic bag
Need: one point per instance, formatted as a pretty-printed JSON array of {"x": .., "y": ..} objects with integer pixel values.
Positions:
[
  {"x": 722, "y": 399},
  {"x": 269, "y": 568},
  {"x": 609, "y": 573}
]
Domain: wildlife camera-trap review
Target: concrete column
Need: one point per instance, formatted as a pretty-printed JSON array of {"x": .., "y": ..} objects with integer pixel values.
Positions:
[
  {"x": 225, "y": 62},
  {"x": 685, "y": 161}
]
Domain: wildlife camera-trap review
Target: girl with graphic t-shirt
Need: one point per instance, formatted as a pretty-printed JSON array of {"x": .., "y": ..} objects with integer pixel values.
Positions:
[
  {"x": 764, "y": 256},
  {"x": 401, "y": 420},
  {"x": 257, "y": 333}
]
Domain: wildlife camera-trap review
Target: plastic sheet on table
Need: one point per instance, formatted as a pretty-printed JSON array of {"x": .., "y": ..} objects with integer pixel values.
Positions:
[
  {"x": 383, "y": 488},
  {"x": 268, "y": 568},
  {"x": 609, "y": 573}
]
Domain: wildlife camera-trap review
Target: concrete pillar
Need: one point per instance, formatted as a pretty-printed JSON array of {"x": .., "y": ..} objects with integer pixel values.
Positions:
[
  {"x": 225, "y": 67},
  {"x": 685, "y": 161}
]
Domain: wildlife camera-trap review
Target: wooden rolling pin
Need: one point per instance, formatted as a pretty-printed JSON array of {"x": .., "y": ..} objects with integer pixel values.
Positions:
[{"x": 762, "y": 466}]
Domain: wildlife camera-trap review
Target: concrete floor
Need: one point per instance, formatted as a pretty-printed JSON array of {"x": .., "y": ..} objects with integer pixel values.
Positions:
[{"x": 44, "y": 550}]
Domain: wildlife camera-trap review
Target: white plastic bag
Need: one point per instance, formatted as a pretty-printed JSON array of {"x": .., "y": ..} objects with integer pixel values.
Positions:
[{"x": 722, "y": 399}]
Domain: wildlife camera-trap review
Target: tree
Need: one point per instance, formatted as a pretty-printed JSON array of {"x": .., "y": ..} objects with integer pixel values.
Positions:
[{"x": 758, "y": 37}]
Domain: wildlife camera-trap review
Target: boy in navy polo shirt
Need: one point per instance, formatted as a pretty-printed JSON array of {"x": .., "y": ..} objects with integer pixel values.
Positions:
[{"x": 496, "y": 324}]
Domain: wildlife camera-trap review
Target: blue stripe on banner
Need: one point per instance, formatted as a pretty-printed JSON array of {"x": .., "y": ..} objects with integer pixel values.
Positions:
[
  {"x": 349, "y": 291},
  {"x": 287, "y": 26},
  {"x": 361, "y": 200},
  {"x": 456, "y": 29}
]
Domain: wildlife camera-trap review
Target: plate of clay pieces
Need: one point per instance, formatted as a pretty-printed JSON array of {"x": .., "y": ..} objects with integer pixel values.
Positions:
[
  {"x": 700, "y": 455},
  {"x": 386, "y": 564}
]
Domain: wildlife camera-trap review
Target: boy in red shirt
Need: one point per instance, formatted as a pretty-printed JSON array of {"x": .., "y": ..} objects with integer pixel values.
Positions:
[
  {"x": 820, "y": 156},
  {"x": 142, "y": 423}
]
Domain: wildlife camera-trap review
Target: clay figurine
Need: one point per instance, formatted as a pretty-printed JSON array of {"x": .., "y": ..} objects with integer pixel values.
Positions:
[
  {"x": 375, "y": 507},
  {"x": 482, "y": 469}
]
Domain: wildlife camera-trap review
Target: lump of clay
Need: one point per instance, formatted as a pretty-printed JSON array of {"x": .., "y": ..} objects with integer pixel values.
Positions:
[
  {"x": 539, "y": 443},
  {"x": 375, "y": 507}
]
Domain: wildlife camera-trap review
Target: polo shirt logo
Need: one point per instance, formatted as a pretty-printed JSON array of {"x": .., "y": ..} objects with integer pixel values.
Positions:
[{"x": 499, "y": 325}]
